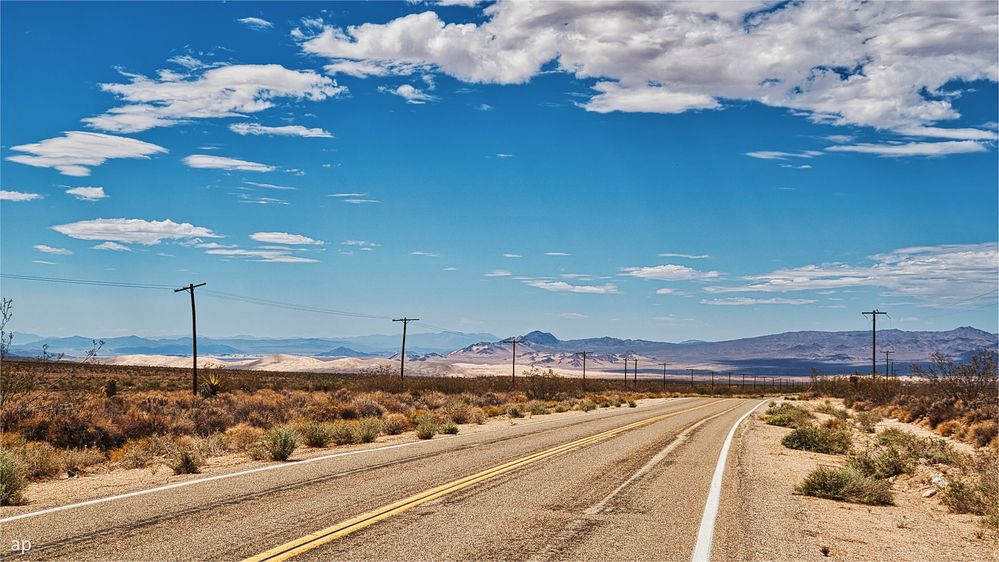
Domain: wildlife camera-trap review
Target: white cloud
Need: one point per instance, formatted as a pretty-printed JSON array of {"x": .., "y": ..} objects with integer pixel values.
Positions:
[
  {"x": 269, "y": 186},
  {"x": 51, "y": 250},
  {"x": 258, "y": 24},
  {"x": 111, "y": 247},
  {"x": 557, "y": 254},
  {"x": 913, "y": 148},
  {"x": 778, "y": 155},
  {"x": 131, "y": 231},
  {"x": 341, "y": 195},
  {"x": 746, "y": 301},
  {"x": 687, "y": 256},
  {"x": 450, "y": 269},
  {"x": 424, "y": 254},
  {"x": 284, "y": 238},
  {"x": 283, "y": 131},
  {"x": 669, "y": 272},
  {"x": 665, "y": 291},
  {"x": 877, "y": 64},
  {"x": 263, "y": 255},
  {"x": 497, "y": 273},
  {"x": 464, "y": 3},
  {"x": 573, "y": 315},
  {"x": 360, "y": 244},
  {"x": 563, "y": 287},
  {"x": 74, "y": 153},
  {"x": 226, "y": 91},
  {"x": 484, "y": 107},
  {"x": 938, "y": 132},
  {"x": 504, "y": 155},
  {"x": 224, "y": 163},
  {"x": 409, "y": 93},
  {"x": 358, "y": 69},
  {"x": 87, "y": 193},
  {"x": 361, "y": 201},
  {"x": 43, "y": 262},
  {"x": 18, "y": 196},
  {"x": 936, "y": 276},
  {"x": 512, "y": 256}
]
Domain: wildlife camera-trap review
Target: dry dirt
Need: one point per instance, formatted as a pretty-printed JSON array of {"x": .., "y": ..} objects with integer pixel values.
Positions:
[{"x": 786, "y": 526}]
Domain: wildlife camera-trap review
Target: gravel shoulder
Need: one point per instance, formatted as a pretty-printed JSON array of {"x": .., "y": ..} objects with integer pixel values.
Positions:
[{"x": 762, "y": 519}]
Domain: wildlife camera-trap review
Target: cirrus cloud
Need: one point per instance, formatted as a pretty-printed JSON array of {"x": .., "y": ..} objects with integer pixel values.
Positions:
[
  {"x": 285, "y": 238},
  {"x": 283, "y": 131},
  {"x": 225, "y": 163},
  {"x": 74, "y": 153}
]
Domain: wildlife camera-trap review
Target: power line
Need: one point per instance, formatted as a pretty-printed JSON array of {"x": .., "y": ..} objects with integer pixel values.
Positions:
[
  {"x": 91, "y": 282},
  {"x": 291, "y": 306}
]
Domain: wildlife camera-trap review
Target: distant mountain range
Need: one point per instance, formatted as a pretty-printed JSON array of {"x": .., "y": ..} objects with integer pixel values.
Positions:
[{"x": 789, "y": 352}]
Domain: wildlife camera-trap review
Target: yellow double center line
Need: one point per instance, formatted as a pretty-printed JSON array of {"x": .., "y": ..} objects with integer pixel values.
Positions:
[{"x": 319, "y": 538}]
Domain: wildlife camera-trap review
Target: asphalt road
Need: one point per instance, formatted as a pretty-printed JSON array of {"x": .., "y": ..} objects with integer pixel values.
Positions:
[{"x": 630, "y": 485}]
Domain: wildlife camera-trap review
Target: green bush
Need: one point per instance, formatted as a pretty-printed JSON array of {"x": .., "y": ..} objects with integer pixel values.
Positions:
[
  {"x": 867, "y": 421},
  {"x": 317, "y": 434},
  {"x": 513, "y": 410},
  {"x": 882, "y": 462},
  {"x": 186, "y": 461},
  {"x": 368, "y": 429},
  {"x": 818, "y": 440},
  {"x": 935, "y": 451},
  {"x": 827, "y": 408},
  {"x": 450, "y": 428},
  {"x": 394, "y": 424},
  {"x": 978, "y": 493},
  {"x": 586, "y": 405},
  {"x": 788, "y": 415},
  {"x": 426, "y": 429},
  {"x": 12, "y": 480},
  {"x": 537, "y": 408},
  {"x": 281, "y": 442},
  {"x": 342, "y": 433},
  {"x": 632, "y": 404},
  {"x": 845, "y": 484}
]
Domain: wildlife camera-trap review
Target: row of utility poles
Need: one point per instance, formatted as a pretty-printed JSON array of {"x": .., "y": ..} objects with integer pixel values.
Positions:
[{"x": 513, "y": 341}]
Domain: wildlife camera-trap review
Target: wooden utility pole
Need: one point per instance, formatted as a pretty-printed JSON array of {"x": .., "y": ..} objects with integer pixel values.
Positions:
[
  {"x": 402, "y": 358},
  {"x": 194, "y": 335},
  {"x": 691, "y": 380},
  {"x": 626, "y": 371},
  {"x": 664, "y": 375},
  {"x": 874, "y": 338},
  {"x": 636, "y": 372},
  {"x": 886, "y": 352},
  {"x": 514, "y": 340},
  {"x": 583, "y": 353}
]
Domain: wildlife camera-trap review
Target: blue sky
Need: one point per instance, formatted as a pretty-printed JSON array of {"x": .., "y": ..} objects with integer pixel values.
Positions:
[{"x": 501, "y": 167}]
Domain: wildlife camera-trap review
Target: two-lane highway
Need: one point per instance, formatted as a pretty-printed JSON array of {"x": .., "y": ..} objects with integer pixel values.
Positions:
[{"x": 617, "y": 484}]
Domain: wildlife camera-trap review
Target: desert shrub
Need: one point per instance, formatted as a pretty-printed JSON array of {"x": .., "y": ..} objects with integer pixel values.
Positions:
[
  {"x": 950, "y": 428},
  {"x": 978, "y": 492},
  {"x": 536, "y": 408},
  {"x": 367, "y": 430},
  {"x": 133, "y": 454},
  {"x": 317, "y": 434},
  {"x": 426, "y": 429},
  {"x": 187, "y": 461},
  {"x": 213, "y": 385},
  {"x": 477, "y": 416},
  {"x": 867, "y": 421},
  {"x": 78, "y": 429},
  {"x": 394, "y": 424},
  {"x": 828, "y": 408},
  {"x": 935, "y": 451},
  {"x": 242, "y": 436},
  {"x": 818, "y": 440},
  {"x": 342, "y": 433},
  {"x": 787, "y": 415},
  {"x": 458, "y": 412},
  {"x": 449, "y": 428},
  {"x": 281, "y": 442},
  {"x": 882, "y": 462},
  {"x": 211, "y": 446},
  {"x": 586, "y": 405},
  {"x": 560, "y": 408},
  {"x": 981, "y": 433},
  {"x": 77, "y": 460},
  {"x": 12, "y": 479},
  {"x": 513, "y": 410},
  {"x": 493, "y": 411},
  {"x": 845, "y": 484},
  {"x": 38, "y": 460},
  {"x": 632, "y": 404},
  {"x": 367, "y": 408}
]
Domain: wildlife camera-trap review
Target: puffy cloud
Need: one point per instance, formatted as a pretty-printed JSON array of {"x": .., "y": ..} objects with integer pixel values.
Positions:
[
  {"x": 111, "y": 247},
  {"x": 563, "y": 287},
  {"x": 284, "y": 131},
  {"x": 936, "y": 276},
  {"x": 669, "y": 272},
  {"x": 284, "y": 238},
  {"x": 746, "y": 301},
  {"x": 913, "y": 148},
  {"x": 258, "y": 24},
  {"x": 74, "y": 153},
  {"x": 409, "y": 93},
  {"x": 50, "y": 250},
  {"x": 497, "y": 273},
  {"x": 224, "y": 163},
  {"x": 87, "y": 193},
  {"x": 17, "y": 196},
  {"x": 877, "y": 64},
  {"x": 226, "y": 91},
  {"x": 133, "y": 231}
]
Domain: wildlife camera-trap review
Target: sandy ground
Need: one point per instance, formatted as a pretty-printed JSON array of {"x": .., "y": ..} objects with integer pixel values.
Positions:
[{"x": 785, "y": 526}]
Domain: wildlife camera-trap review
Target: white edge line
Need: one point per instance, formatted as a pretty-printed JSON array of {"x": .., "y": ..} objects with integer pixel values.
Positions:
[
  {"x": 186, "y": 483},
  {"x": 702, "y": 550}
]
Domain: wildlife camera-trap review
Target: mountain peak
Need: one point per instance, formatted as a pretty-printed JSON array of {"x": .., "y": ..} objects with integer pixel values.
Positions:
[{"x": 540, "y": 338}]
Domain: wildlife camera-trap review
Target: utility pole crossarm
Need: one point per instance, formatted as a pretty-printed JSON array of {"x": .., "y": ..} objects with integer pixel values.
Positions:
[{"x": 874, "y": 338}]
